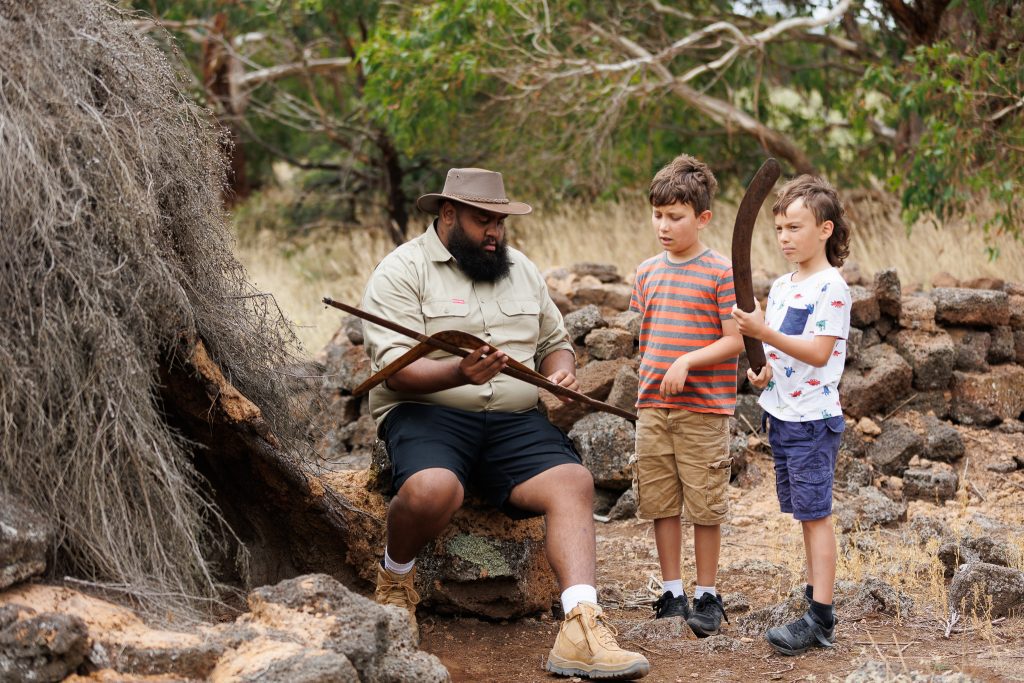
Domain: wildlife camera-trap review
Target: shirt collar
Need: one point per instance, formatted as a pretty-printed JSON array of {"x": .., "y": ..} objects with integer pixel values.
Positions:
[{"x": 433, "y": 246}]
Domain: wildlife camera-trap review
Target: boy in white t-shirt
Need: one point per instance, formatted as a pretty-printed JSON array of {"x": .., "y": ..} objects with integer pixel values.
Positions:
[{"x": 804, "y": 330}]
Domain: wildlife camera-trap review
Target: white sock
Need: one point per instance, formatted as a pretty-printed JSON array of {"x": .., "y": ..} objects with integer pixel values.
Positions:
[
  {"x": 675, "y": 586},
  {"x": 701, "y": 590},
  {"x": 395, "y": 567},
  {"x": 574, "y": 595}
]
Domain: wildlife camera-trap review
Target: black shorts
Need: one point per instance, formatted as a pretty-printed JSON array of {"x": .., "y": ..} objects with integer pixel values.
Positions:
[{"x": 490, "y": 452}]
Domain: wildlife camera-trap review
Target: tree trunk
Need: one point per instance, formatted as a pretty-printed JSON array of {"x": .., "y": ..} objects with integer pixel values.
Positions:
[{"x": 288, "y": 521}]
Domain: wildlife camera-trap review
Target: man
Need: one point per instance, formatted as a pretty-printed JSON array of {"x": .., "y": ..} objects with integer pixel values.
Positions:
[{"x": 452, "y": 423}]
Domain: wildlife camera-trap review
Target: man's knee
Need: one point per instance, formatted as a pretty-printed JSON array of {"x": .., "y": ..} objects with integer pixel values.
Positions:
[
  {"x": 566, "y": 486},
  {"x": 432, "y": 494}
]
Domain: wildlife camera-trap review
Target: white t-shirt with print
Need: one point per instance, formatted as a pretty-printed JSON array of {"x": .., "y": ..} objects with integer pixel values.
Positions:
[{"x": 819, "y": 305}]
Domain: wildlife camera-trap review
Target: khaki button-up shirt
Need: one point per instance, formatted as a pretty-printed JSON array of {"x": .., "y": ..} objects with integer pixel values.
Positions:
[{"x": 420, "y": 285}]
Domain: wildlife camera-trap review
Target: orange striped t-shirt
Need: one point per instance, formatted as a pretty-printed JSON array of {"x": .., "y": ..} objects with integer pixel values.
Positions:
[{"x": 683, "y": 306}]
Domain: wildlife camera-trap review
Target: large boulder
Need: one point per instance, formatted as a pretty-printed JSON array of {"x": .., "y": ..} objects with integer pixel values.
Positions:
[
  {"x": 986, "y": 399},
  {"x": 580, "y": 322},
  {"x": 606, "y": 444},
  {"x": 931, "y": 481},
  {"x": 863, "y": 306},
  {"x": 596, "y": 379},
  {"x": 942, "y": 441},
  {"x": 335, "y": 626},
  {"x": 609, "y": 343},
  {"x": 931, "y": 356},
  {"x": 348, "y": 366},
  {"x": 40, "y": 648},
  {"x": 962, "y": 306},
  {"x": 24, "y": 538},
  {"x": 895, "y": 446},
  {"x": 1001, "y": 350},
  {"x": 971, "y": 348},
  {"x": 986, "y": 589},
  {"x": 866, "y": 508},
  {"x": 604, "y": 272},
  {"x": 1016, "y": 305},
  {"x": 878, "y": 381},
  {"x": 917, "y": 313},
  {"x": 624, "y": 388},
  {"x": 483, "y": 563},
  {"x": 889, "y": 292}
]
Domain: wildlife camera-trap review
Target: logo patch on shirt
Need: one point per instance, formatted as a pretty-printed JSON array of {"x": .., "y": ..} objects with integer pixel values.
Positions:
[{"x": 458, "y": 301}]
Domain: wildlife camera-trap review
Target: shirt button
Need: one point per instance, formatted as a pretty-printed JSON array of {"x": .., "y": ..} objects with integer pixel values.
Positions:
[{"x": 447, "y": 310}]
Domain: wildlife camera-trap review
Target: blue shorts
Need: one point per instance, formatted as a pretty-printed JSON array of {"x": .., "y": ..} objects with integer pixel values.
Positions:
[
  {"x": 805, "y": 464},
  {"x": 490, "y": 452}
]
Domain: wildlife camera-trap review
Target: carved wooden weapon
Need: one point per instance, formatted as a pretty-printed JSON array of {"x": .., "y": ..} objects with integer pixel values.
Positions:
[
  {"x": 742, "y": 232},
  {"x": 456, "y": 343}
]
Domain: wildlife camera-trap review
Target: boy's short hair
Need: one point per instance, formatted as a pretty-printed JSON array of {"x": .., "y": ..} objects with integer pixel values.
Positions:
[
  {"x": 823, "y": 201},
  {"x": 685, "y": 180}
]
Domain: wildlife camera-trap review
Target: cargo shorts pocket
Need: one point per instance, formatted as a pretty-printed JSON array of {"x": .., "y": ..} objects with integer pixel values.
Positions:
[
  {"x": 718, "y": 483},
  {"x": 811, "y": 490}
]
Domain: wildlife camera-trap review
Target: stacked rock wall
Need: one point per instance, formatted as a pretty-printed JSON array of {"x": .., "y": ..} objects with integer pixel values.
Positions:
[{"x": 918, "y": 364}]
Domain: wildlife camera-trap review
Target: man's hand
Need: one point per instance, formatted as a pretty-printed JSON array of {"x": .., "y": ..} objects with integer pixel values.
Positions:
[
  {"x": 566, "y": 379},
  {"x": 751, "y": 324},
  {"x": 675, "y": 378},
  {"x": 761, "y": 379},
  {"x": 480, "y": 366}
]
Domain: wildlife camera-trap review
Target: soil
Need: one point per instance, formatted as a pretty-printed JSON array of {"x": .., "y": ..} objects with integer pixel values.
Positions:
[{"x": 990, "y": 503}]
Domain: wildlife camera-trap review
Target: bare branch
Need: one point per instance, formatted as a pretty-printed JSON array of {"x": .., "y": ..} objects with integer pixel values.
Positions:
[{"x": 255, "y": 78}]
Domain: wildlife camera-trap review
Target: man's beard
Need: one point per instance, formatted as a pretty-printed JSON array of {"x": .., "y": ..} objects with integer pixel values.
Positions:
[{"x": 477, "y": 263}]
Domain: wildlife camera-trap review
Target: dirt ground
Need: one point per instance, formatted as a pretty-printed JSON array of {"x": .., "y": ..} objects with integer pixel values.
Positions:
[{"x": 984, "y": 649}]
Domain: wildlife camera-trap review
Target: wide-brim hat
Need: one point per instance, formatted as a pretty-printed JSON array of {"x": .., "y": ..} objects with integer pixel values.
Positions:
[{"x": 475, "y": 187}]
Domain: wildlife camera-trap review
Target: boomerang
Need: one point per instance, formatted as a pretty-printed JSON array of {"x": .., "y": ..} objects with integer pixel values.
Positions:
[
  {"x": 742, "y": 233},
  {"x": 460, "y": 343}
]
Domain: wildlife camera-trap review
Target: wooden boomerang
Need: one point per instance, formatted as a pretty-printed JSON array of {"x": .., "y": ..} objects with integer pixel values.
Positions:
[
  {"x": 449, "y": 340},
  {"x": 742, "y": 232},
  {"x": 463, "y": 340}
]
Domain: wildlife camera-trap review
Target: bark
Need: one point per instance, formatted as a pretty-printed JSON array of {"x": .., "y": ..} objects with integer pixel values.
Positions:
[
  {"x": 289, "y": 522},
  {"x": 219, "y": 79}
]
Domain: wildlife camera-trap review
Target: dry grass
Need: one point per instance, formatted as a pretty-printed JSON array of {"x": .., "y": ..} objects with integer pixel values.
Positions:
[{"x": 299, "y": 270}]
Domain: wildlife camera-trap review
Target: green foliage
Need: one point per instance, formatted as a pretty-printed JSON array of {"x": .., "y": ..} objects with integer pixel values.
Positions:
[
  {"x": 484, "y": 82},
  {"x": 959, "y": 110}
]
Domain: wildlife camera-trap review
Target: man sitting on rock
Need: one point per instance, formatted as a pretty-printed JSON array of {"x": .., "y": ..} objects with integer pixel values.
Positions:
[{"x": 454, "y": 423}]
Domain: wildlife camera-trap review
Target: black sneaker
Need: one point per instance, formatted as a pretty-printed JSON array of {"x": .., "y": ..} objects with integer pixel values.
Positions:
[
  {"x": 708, "y": 613},
  {"x": 668, "y": 606},
  {"x": 800, "y": 636}
]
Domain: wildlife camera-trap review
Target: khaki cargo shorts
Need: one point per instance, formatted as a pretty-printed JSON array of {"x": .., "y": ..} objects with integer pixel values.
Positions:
[{"x": 682, "y": 465}]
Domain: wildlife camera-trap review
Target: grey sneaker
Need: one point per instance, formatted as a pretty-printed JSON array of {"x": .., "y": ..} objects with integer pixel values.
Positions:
[
  {"x": 800, "y": 636},
  {"x": 708, "y": 612}
]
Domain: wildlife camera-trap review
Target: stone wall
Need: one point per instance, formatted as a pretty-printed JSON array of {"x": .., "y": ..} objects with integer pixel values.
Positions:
[{"x": 919, "y": 364}]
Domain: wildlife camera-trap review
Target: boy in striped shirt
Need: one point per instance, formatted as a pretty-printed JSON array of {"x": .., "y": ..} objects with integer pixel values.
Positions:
[{"x": 688, "y": 347}]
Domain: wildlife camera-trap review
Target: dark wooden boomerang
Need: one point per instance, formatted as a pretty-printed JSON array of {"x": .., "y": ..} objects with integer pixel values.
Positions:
[
  {"x": 451, "y": 341},
  {"x": 742, "y": 232},
  {"x": 463, "y": 340}
]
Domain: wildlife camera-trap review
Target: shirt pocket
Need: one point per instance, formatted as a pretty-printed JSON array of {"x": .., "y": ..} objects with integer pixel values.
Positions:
[
  {"x": 444, "y": 314},
  {"x": 795, "y": 321},
  {"x": 519, "y": 322}
]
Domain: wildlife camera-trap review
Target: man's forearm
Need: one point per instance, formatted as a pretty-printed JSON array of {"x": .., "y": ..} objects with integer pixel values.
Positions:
[
  {"x": 562, "y": 359},
  {"x": 427, "y": 375}
]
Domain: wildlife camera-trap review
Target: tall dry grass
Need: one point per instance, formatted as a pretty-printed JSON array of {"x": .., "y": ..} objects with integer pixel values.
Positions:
[{"x": 300, "y": 269}]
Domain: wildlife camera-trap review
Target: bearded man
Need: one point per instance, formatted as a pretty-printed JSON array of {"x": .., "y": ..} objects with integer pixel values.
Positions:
[{"x": 452, "y": 424}]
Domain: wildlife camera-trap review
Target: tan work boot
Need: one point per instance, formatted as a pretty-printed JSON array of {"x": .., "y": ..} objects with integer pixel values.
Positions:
[
  {"x": 586, "y": 647},
  {"x": 399, "y": 589}
]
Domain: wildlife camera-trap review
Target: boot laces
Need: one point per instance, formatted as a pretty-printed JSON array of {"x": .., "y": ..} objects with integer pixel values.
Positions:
[
  {"x": 401, "y": 593},
  {"x": 604, "y": 632}
]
